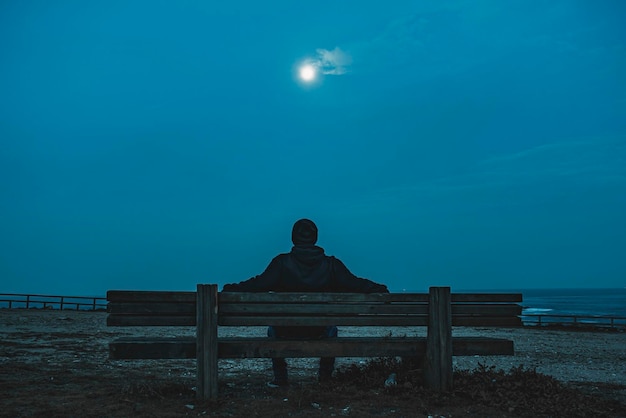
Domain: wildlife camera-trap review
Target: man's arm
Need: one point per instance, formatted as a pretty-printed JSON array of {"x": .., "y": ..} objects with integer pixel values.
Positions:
[
  {"x": 348, "y": 282},
  {"x": 264, "y": 282}
]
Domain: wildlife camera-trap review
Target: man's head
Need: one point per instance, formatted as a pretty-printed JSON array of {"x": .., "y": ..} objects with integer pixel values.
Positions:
[{"x": 304, "y": 232}]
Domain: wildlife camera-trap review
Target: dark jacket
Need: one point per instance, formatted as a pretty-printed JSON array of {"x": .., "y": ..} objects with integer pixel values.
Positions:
[{"x": 306, "y": 269}]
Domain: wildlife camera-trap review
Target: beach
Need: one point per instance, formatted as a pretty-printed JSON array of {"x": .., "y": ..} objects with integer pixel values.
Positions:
[{"x": 55, "y": 363}]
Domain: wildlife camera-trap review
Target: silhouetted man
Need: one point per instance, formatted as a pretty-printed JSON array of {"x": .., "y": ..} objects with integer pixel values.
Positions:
[{"x": 305, "y": 269}]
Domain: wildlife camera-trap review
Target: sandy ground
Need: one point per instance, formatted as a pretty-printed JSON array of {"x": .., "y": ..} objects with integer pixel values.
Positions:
[{"x": 58, "y": 349}]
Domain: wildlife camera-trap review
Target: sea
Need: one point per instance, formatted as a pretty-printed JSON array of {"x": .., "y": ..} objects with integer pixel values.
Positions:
[{"x": 604, "y": 307}]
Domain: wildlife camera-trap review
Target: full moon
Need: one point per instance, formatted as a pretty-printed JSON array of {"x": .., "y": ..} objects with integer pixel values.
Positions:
[{"x": 307, "y": 72}]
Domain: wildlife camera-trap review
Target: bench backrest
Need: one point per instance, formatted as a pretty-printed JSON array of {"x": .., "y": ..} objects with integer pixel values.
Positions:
[{"x": 146, "y": 308}]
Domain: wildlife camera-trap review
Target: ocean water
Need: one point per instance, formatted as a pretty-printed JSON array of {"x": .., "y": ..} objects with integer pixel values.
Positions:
[{"x": 588, "y": 305}]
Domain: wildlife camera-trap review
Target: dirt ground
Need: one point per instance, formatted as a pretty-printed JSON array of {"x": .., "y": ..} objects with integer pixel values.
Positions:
[{"x": 55, "y": 364}]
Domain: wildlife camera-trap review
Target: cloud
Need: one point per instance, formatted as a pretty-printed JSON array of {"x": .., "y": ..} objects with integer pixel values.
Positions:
[
  {"x": 588, "y": 162},
  {"x": 335, "y": 62},
  {"x": 565, "y": 171},
  {"x": 597, "y": 160}
]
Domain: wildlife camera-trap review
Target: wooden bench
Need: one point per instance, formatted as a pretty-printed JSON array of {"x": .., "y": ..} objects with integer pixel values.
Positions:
[{"x": 206, "y": 309}]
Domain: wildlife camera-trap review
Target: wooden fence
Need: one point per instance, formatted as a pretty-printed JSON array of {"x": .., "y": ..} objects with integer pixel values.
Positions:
[
  {"x": 574, "y": 320},
  {"x": 28, "y": 301}
]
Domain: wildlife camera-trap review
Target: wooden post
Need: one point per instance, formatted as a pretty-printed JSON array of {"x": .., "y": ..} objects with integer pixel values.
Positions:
[
  {"x": 206, "y": 341},
  {"x": 439, "y": 341}
]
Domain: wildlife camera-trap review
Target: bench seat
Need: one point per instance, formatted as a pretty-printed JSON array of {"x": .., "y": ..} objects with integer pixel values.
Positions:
[{"x": 262, "y": 347}]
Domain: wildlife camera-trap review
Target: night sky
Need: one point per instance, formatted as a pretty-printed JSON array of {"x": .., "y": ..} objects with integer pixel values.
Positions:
[{"x": 160, "y": 144}]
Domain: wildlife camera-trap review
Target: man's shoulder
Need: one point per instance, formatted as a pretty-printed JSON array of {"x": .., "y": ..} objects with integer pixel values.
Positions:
[{"x": 281, "y": 258}]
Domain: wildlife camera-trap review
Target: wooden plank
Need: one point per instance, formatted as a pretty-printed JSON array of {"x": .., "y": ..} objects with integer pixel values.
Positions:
[
  {"x": 185, "y": 296},
  {"x": 114, "y": 320},
  {"x": 330, "y": 347},
  {"x": 356, "y": 347},
  {"x": 290, "y": 309},
  {"x": 376, "y": 321},
  {"x": 486, "y": 321},
  {"x": 150, "y": 296},
  {"x": 152, "y": 348},
  {"x": 152, "y": 308},
  {"x": 263, "y": 347},
  {"x": 380, "y": 321},
  {"x": 486, "y": 297},
  {"x": 300, "y": 298},
  {"x": 364, "y": 320},
  {"x": 438, "y": 371},
  {"x": 206, "y": 348}
]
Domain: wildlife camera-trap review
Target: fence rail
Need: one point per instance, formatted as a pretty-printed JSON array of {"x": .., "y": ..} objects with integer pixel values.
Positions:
[
  {"x": 575, "y": 320},
  {"x": 29, "y": 301}
]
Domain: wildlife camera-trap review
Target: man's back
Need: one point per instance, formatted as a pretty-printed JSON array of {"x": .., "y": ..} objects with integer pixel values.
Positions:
[{"x": 306, "y": 269}]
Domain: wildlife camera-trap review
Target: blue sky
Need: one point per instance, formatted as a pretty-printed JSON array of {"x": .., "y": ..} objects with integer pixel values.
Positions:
[{"x": 156, "y": 145}]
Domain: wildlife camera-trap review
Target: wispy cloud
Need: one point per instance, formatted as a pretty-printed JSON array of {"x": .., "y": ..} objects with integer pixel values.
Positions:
[
  {"x": 592, "y": 159},
  {"x": 331, "y": 62},
  {"x": 560, "y": 168}
]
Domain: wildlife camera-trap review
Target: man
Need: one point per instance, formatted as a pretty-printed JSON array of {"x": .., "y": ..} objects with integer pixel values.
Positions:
[{"x": 305, "y": 269}]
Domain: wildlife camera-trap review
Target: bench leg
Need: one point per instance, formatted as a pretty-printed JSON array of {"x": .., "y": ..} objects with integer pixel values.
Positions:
[
  {"x": 206, "y": 341},
  {"x": 438, "y": 368}
]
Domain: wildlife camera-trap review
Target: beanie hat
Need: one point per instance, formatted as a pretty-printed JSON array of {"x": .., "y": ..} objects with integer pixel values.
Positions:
[{"x": 304, "y": 232}]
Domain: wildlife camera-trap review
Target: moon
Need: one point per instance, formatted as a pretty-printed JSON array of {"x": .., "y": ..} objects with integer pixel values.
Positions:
[{"x": 307, "y": 72}]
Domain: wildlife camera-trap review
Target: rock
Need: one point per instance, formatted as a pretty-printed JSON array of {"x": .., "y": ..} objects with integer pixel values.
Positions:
[{"x": 391, "y": 381}]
